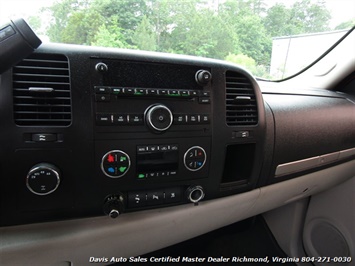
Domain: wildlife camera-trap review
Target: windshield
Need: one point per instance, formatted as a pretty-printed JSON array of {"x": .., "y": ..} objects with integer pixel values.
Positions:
[{"x": 272, "y": 39}]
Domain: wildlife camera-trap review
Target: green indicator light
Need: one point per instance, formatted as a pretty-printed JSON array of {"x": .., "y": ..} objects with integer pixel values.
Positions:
[
  {"x": 141, "y": 176},
  {"x": 138, "y": 93},
  {"x": 174, "y": 95},
  {"x": 122, "y": 169}
]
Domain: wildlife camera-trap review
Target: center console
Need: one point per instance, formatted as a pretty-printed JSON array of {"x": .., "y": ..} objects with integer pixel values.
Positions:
[{"x": 153, "y": 128}]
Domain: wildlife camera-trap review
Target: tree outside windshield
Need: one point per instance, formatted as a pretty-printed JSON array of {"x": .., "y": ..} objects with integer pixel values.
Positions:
[{"x": 244, "y": 32}]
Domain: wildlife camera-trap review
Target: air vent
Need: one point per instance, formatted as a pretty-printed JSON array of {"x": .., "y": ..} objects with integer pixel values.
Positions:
[
  {"x": 241, "y": 106},
  {"x": 41, "y": 89}
]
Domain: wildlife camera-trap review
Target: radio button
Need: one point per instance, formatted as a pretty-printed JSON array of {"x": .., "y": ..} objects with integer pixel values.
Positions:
[
  {"x": 173, "y": 93},
  {"x": 204, "y": 119},
  {"x": 152, "y": 92},
  {"x": 192, "y": 119},
  {"x": 102, "y": 97},
  {"x": 128, "y": 91},
  {"x": 103, "y": 90},
  {"x": 117, "y": 91},
  {"x": 205, "y": 94},
  {"x": 179, "y": 119},
  {"x": 204, "y": 100},
  {"x": 140, "y": 92},
  {"x": 135, "y": 119},
  {"x": 185, "y": 94},
  {"x": 103, "y": 119},
  {"x": 163, "y": 92},
  {"x": 194, "y": 93},
  {"x": 120, "y": 119}
]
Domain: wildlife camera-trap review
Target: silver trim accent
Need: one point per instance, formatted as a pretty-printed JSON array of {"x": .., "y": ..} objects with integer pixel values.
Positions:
[
  {"x": 204, "y": 152},
  {"x": 38, "y": 89},
  {"x": 346, "y": 153},
  {"x": 193, "y": 189},
  {"x": 113, "y": 176},
  {"x": 305, "y": 164},
  {"x": 114, "y": 213},
  {"x": 243, "y": 98},
  {"x": 45, "y": 167},
  {"x": 148, "y": 116}
]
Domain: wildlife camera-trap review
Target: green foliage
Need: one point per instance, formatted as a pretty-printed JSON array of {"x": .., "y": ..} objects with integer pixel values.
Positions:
[
  {"x": 346, "y": 25},
  {"x": 249, "y": 63},
  {"x": 35, "y": 23},
  {"x": 109, "y": 38},
  {"x": 235, "y": 30},
  {"x": 143, "y": 37},
  {"x": 241, "y": 59}
]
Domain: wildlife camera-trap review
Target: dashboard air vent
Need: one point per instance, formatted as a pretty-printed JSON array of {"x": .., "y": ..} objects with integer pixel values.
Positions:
[
  {"x": 41, "y": 90},
  {"x": 241, "y": 106}
]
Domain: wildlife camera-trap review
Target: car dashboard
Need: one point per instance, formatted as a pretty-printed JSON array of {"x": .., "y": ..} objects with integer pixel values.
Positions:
[{"x": 171, "y": 146}]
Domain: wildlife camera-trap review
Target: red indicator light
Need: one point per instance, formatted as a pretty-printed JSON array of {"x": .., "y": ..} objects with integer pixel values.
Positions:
[{"x": 110, "y": 158}]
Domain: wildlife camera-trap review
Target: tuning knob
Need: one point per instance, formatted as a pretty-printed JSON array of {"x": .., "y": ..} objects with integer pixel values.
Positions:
[
  {"x": 158, "y": 117},
  {"x": 114, "y": 206},
  {"x": 43, "y": 179},
  {"x": 203, "y": 77}
]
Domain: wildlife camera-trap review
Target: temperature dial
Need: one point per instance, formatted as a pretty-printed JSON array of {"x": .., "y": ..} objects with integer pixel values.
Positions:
[
  {"x": 43, "y": 179},
  {"x": 195, "y": 158},
  {"x": 115, "y": 163}
]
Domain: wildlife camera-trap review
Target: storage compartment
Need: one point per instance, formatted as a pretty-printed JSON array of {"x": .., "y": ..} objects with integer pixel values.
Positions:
[{"x": 238, "y": 164}]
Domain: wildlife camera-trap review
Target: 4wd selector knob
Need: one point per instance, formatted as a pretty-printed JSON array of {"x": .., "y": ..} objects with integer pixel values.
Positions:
[
  {"x": 158, "y": 117},
  {"x": 43, "y": 179}
]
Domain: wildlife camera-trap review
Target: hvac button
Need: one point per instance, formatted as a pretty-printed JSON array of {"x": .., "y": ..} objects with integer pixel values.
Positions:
[
  {"x": 154, "y": 198},
  {"x": 137, "y": 199},
  {"x": 172, "y": 195}
]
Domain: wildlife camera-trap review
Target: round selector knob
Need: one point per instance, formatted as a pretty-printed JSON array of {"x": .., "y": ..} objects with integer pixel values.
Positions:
[
  {"x": 115, "y": 163},
  {"x": 195, "y": 194},
  {"x": 43, "y": 179},
  {"x": 203, "y": 77},
  {"x": 114, "y": 206},
  {"x": 101, "y": 67},
  {"x": 158, "y": 117},
  {"x": 195, "y": 158}
]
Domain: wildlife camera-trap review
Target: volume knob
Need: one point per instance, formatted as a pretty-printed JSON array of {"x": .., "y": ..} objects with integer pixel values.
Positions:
[{"x": 158, "y": 117}]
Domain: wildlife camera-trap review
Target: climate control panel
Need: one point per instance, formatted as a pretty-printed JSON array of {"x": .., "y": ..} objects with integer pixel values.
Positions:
[{"x": 115, "y": 163}]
